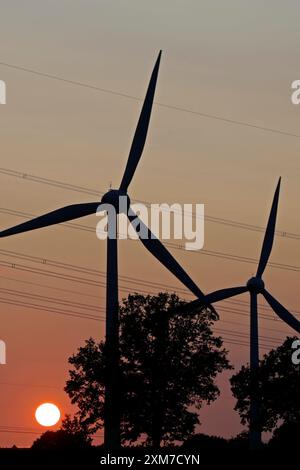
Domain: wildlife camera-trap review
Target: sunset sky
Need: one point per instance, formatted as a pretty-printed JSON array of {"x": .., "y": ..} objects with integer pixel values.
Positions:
[{"x": 234, "y": 60}]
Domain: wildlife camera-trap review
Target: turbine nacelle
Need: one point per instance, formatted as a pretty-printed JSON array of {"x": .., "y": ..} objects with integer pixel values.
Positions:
[
  {"x": 118, "y": 199},
  {"x": 256, "y": 284}
]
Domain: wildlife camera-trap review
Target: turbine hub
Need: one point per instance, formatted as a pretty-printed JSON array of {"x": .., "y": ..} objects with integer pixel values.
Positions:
[
  {"x": 256, "y": 284},
  {"x": 118, "y": 199}
]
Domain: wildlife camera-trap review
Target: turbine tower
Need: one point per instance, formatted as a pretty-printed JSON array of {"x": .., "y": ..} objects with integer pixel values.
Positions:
[
  {"x": 255, "y": 286},
  {"x": 151, "y": 243}
]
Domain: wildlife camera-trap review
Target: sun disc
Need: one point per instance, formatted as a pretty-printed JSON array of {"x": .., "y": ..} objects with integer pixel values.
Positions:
[{"x": 47, "y": 414}]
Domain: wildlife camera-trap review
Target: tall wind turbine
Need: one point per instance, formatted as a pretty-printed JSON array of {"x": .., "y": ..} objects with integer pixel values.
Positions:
[
  {"x": 256, "y": 286},
  {"x": 151, "y": 243}
]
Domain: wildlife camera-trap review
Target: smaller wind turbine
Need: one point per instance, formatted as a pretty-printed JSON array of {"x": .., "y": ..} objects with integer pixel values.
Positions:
[{"x": 255, "y": 286}]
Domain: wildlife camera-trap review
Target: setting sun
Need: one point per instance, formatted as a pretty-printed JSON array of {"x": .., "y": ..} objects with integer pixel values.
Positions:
[{"x": 47, "y": 414}]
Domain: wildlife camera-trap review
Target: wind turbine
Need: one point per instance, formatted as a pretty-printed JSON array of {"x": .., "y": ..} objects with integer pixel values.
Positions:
[
  {"x": 255, "y": 286},
  {"x": 151, "y": 243}
]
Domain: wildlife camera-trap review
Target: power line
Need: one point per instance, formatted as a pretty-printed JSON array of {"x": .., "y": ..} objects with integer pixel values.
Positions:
[
  {"x": 28, "y": 215},
  {"x": 102, "y": 319},
  {"x": 26, "y": 430},
  {"x": 47, "y": 273},
  {"x": 85, "y": 294},
  {"x": 9, "y": 384},
  {"x": 99, "y": 273},
  {"x": 234, "y": 302},
  {"x": 213, "y": 253},
  {"x": 243, "y": 325},
  {"x": 51, "y": 310},
  {"x": 245, "y": 335},
  {"x": 94, "y": 192},
  {"x": 41, "y": 298},
  {"x": 122, "y": 288},
  {"x": 63, "y": 302},
  {"x": 221, "y": 308},
  {"x": 162, "y": 105},
  {"x": 98, "y": 308},
  {"x": 69, "y": 303},
  {"x": 50, "y": 182},
  {"x": 131, "y": 279},
  {"x": 45, "y": 286},
  {"x": 229, "y": 340},
  {"x": 11, "y": 431}
]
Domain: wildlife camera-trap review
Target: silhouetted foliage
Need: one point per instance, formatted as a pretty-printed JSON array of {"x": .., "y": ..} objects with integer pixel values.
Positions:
[
  {"x": 203, "y": 442},
  {"x": 287, "y": 436},
  {"x": 167, "y": 365},
  {"x": 74, "y": 427},
  {"x": 59, "y": 440},
  {"x": 240, "y": 441},
  {"x": 279, "y": 388},
  {"x": 72, "y": 435}
]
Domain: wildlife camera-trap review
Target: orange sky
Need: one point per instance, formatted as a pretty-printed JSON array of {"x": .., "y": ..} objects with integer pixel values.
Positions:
[{"x": 233, "y": 59}]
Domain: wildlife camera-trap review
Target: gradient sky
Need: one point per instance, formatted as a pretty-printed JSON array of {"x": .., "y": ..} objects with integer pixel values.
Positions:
[{"x": 233, "y": 59}]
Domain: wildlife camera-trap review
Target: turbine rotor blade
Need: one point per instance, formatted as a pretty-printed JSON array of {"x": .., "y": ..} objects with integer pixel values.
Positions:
[
  {"x": 223, "y": 294},
  {"x": 216, "y": 296},
  {"x": 157, "y": 249},
  {"x": 281, "y": 311},
  {"x": 52, "y": 218},
  {"x": 269, "y": 234},
  {"x": 140, "y": 135}
]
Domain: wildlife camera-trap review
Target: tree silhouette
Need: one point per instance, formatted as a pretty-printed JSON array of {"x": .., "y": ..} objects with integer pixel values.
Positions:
[
  {"x": 278, "y": 388},
  {"x": 72, "y": 435},
  {"x": 287, "y": 436},
  {"x": 74, "y": 427},
  {"x": 168, "y": 364},
  {"x": 204, "y": 442}
]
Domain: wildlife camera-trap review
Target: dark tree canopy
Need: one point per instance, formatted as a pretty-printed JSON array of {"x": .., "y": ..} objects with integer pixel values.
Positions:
[
  {"x": 279, "y": 388},
  {"x": 287, "y": 436},
  {"x": 168, "y": 365},
  {"x": 71, "y": 435},
  {"x": 204, "y": 442}
]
